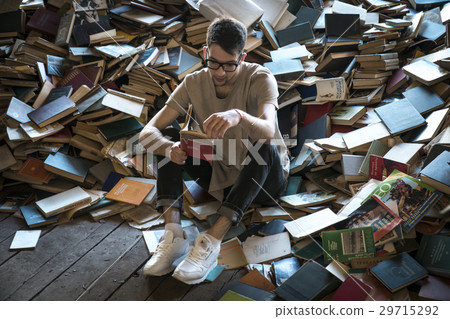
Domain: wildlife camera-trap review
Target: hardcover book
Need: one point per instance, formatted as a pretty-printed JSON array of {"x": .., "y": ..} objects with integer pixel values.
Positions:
[
  {"x": 68, "y": 166},
  {"x": 52, "y": 111},
  {"x": 352, "y": 289},
  {"x": 380, "y": 167},
  {"x": 63, "y": 201},
  {"x": 285, "y": 268},
  {"x": 398, "y": 272},
  {"x": 44, "y": 21},
  {"x": 25, "y": 239},
  {"x": 413, "y": 197},
  {"x": 130, "y": 192},
  {"x": 310, "y": 282},
  {"x": 34, "y": 169},
  {"x": 18, "y": 110},
  {"x": 434, "y": 254},
  {"x": 34, "y": 218},
  {"x": 286, "y": 70},
  {"x": 400, "y": 116},
  {"x": 423, "y": 98},
  {"x": 437, "y": 173},
  {"x": 121, "y": 128},
  {"x": 347, "y": 244}
]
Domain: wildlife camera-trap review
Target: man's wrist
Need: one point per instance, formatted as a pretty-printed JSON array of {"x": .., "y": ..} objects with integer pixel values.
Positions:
[{"x": 241, "y": 115}]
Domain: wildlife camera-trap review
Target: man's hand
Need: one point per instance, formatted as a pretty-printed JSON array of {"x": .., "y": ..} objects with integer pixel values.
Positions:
[
  {"x": 217, "y": 124},
  {"x": 176, "y": 154}
]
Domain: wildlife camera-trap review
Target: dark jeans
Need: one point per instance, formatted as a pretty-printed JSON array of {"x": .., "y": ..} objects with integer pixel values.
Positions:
[{"x": 257, "y": 183}]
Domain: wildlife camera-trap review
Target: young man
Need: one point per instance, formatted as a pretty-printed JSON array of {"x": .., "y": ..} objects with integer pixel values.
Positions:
[{"x": 234, "y": 102}]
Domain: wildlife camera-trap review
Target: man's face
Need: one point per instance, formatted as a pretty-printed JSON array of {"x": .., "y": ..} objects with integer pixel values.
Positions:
[{"x": 217, "y": 54}]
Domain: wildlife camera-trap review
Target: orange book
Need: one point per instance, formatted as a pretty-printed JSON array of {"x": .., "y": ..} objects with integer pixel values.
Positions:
[
  {"x": 130, "y": 192},
  {"x": 34, "y": 168}
]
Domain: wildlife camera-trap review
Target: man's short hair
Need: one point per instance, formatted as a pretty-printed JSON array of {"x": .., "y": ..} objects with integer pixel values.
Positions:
[{"x": 229, "y": 33}]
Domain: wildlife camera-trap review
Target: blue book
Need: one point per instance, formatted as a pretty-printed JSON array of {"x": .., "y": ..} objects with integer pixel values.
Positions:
[
  {"x": 215, "y": 272},
  {"x": 399, "y": 272},
  {"x": 34, "y": 218},
  {"x": 68, "y": 166},
  {"x": 111, "y": 181}
]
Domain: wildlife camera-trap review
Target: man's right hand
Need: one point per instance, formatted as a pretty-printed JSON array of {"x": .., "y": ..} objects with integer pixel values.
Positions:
[{"x": 177, "y": 155}]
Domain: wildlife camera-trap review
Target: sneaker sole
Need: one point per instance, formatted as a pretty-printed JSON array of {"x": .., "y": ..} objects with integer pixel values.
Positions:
[
  {"x": 172, "y": 267},
  {"x": 196, "y": 281}
]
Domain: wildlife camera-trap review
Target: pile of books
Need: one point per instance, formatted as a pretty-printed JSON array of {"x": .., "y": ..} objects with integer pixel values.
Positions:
[{"x": 364, "y": 109}]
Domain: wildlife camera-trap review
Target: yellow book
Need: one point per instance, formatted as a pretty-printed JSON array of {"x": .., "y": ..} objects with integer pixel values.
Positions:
[{"x": 129, "y": 191}]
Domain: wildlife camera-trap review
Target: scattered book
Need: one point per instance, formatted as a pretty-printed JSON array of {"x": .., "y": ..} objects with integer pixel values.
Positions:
[
  {"x": 437, "y": 173},
  {"x": 34, "y": 218},
  {"x": 129, "y": 191},
  {"x": 63, "y": 201},
  {"x": 433, "y": 254},
  {"x": 398, "y": 272},
  {"x": 347, "y": 244},
  {"x": 306, "y": 199},
  {"x": 25, "y": 239}
]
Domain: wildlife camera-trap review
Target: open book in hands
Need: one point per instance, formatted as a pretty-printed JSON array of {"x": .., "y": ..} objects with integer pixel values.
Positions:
[{"x": 195, "y": 144}]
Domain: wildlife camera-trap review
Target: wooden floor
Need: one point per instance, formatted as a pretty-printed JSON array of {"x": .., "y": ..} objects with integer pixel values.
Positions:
[{"x": 86, "y": 260}]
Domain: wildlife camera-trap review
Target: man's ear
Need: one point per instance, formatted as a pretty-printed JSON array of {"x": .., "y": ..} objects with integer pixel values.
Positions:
[{"x": 205, "y": 52}]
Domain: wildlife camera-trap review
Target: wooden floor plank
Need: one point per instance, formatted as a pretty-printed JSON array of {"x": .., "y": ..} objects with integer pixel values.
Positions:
[
  {"x": 73, "y": 282},
  {"x": 119, "y": 273},
  {"x": 138, "y": 287},
  {"x": 205, "y": 291},
  {"x": 31, "y": 271},
  {"x": 9, "y": 226},
  {"x": 170, "y": 289}
]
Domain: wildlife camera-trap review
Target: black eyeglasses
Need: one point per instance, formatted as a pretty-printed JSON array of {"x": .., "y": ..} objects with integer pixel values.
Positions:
[{"x": 227, "y": 67}]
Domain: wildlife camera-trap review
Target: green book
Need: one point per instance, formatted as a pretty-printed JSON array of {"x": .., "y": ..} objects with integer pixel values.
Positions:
[
  {"x": 376, "y": 148},
  {"x": 230, "y": 295},
  {"x": 347, "y": 244},
  {"x": 434, "y": 254},
  {"x": 118, "y": 129}
]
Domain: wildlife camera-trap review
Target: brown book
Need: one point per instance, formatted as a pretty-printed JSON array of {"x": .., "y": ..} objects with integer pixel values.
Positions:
[
  {"x": 34, "y": 168},
  {"x": 256, "y": 279},
  {"x": 129, "y": 191},
  {"x": 53, "y": 111}
]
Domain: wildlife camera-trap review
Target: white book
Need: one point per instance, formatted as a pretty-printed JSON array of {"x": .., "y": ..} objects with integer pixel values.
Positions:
[
  {"x": 245, "y": 11},
  {"x": 125, "y": 103},
  {"x": 204, "y": 210},
  {"x": 332, "y": 89},
  {"x": 25, "y": 239},
  {"x": 312, "y": 223},
  {"x": 273, "y": 10},
  {"x": 261, "y": 249},
  {"x": 64, "y": 201},
  {"x": 343, "y": 8},
  {"x": 406, "y": 153}
]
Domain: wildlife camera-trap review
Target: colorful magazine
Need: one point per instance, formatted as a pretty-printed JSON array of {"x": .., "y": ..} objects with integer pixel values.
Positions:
[
  {"x": 414, "y": 198},
  {"x": 376, "y": 214}
]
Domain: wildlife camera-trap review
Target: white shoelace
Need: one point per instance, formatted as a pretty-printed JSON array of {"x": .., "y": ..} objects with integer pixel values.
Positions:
[{"x": 198, "y": 255}]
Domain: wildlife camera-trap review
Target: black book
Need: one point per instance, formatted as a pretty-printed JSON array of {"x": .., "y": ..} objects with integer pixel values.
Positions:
[
  {"x": 310, "y": 282},
  {"x": 13, "y": 21},
  {"x": 82, "y": 32},
  {"x": 58, "y": 92},
  {"x": 115, "y": 130},
  {"x": 297, "y": 33},
  {"x": 306, "y": 14},
  {"x": 342, "y": 25},
  {"x": 400, "y": 116}
]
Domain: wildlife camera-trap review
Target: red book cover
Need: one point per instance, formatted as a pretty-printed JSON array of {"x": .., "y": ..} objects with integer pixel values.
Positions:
[
  {"x": 44, "y": 21},
  {"x": 395, "y": 81},
  {"x": 352, "y": 289},
  {"x": 198, "y": 148},
  {"x": 314, "y": 112},
  {"x": 379, "y": 167},
  {"x": 76, "y": 78}
]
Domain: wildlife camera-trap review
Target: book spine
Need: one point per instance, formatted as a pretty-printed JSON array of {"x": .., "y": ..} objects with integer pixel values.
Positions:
[{"x": 417, "y": 215}]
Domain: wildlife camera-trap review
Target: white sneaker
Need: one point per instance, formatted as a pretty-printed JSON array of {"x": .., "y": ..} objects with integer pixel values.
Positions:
[
  {"x": 201, "y": 260},
  {"x": 169, "y": 253}
]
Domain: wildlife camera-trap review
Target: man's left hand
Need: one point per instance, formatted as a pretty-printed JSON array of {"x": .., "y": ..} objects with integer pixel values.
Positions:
[{"x": 217, "y": 124}]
